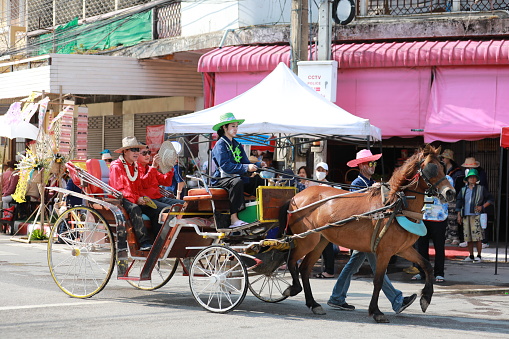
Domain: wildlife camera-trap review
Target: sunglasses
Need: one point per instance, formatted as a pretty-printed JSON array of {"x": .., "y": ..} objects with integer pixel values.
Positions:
[
  {"x": 146, "y": 152},
  {"x": 134, "y": 149},
  {"x": 372, "y": 163}
]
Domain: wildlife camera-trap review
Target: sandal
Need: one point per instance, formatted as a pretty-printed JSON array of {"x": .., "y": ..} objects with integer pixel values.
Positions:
[
  {"x": 439, "y": 279},
  {"x": 322, "y": 276},
  {"x": 417, "y": 277}
]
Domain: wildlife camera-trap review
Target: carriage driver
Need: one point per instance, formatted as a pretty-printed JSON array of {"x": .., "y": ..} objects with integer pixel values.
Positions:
[
  {"x": 124, "y": 177},
  {"x": 366, "y": 161},
  {"x": 232, "y": 164}
]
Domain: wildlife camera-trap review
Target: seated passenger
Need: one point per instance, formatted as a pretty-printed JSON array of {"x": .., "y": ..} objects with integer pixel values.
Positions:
[
  {"x": 152, "y": 178},
  {"x": 232, "y": 166},
  {"x": 124, "y": 177}
]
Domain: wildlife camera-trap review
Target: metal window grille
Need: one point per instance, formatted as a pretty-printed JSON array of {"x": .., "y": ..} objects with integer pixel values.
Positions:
[
  {"x": 48, "y": 13},
  {"x": 168, "y": 23}
]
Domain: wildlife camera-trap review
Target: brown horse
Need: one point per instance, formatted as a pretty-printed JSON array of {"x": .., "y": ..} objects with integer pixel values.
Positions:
[{"x": 421, "y": 174}]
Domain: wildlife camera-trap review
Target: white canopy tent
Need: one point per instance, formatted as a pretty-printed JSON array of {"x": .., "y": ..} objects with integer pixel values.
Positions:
[{"x": 280, "y": 103}]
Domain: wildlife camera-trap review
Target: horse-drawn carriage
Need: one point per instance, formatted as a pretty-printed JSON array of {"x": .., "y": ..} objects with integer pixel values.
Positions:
[
  {"x": 227, "y": 262},
  {"x": 87, "y": 242}
]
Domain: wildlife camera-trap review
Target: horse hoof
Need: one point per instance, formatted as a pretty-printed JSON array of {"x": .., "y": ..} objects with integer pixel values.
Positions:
[
  {"x": 424, "y": 304},
  {"x": 380, "y": 318},
  {"x": 291, "y": 291},
  {"x": 318, "y": 310}
]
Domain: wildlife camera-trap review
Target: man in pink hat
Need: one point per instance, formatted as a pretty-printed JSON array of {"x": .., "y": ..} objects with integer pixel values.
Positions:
[
  {"x": 366, "y": 161},
  {"x": 367, "y": 164}
]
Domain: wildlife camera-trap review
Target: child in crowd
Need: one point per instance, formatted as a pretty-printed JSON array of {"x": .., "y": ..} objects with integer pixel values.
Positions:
[{"x": 471, "y": 201}]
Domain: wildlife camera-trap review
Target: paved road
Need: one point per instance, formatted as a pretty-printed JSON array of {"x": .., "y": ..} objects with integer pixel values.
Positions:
[{"x": 31, "y": 305}]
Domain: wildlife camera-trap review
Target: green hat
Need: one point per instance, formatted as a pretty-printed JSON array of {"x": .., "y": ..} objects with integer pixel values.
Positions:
[
  {"x": 472, "y": 172},
  {"x": 227, "y": 118}
]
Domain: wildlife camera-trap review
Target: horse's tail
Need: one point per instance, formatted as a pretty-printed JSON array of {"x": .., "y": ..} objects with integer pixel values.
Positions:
[{"x": 283, "y": 217}]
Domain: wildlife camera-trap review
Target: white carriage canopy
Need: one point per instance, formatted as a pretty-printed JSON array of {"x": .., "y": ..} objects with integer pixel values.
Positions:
[{"x": 280, "y": 103}]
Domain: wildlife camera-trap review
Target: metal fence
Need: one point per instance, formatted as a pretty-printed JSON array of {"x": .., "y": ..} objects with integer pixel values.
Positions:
[{"x": 50, "y": 13}]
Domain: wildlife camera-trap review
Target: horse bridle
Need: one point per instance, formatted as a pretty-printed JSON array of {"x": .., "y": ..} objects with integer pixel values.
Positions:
[{"x": 430, "y": 171}]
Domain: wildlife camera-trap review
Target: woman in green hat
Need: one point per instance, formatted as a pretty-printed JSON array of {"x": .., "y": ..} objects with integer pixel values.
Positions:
[
  {"x": 471, "y": 201},
  {"x": 232, "y": 166}
]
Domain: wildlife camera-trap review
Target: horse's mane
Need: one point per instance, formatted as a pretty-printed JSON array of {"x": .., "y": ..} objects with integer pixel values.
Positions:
[{"x": 403, "y": 175}]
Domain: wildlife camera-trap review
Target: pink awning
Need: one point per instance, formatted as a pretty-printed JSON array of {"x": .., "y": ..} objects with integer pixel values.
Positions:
[
  {"x": 380, "y": 55},
  {"x": 467, "y": 104}
]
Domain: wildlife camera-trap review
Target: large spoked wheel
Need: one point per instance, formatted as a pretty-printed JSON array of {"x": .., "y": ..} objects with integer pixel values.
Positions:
[
  {"x": 162, "y": 273},
  {"x": 270, "y": 288},
  {"x": 218, "y": 279},
  {"x": 81, "y": 252}
]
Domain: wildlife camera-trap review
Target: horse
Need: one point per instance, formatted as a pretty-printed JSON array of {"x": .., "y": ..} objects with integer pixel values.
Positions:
[{"x": 320, "y": 214}]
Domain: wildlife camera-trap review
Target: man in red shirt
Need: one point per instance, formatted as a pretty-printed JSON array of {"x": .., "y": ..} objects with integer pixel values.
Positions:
[
  {"x": 125, "y": 177},
  {"x": 152, "y": 178}
]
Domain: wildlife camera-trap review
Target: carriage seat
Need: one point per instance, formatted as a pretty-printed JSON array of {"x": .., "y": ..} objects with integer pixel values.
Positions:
[
  {"x": 99, "y": 169},
  {"x": 196, "y": 194}
]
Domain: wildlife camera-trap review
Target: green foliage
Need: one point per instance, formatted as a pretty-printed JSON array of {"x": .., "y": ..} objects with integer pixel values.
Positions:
[{"x": 38, "y": 234}]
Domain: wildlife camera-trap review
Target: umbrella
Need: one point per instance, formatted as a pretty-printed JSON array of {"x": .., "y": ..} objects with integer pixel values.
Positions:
[{"x": 21, "y": 129}]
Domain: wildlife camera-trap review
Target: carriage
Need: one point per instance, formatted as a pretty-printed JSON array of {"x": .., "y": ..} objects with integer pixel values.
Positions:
[{"x": 87, "y": 243}]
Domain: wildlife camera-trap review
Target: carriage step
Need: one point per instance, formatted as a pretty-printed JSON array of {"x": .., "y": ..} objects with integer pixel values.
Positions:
[{"x": 132, "y": 278}]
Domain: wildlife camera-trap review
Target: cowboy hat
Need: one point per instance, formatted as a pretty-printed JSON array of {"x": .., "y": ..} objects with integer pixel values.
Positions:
[
  {"x": 129, "y": 142},
  {"x": 226, "y": 118},
  {"x": 448, "y": 153},
  {"x": 471, "y": 163},
  {"x": 168, "y": 156},
  {"x": 364, "y": 155}
]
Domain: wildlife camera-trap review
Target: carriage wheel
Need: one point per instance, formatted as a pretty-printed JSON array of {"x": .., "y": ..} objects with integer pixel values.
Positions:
[
  {"x": 81, "y": 252},
  {"x": 270, "y": 288},
  {"x": 218, "y": 279},
  {"x": 162, "y": 273}
]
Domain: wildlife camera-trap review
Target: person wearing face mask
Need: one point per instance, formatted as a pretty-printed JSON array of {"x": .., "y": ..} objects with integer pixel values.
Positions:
[
  {"x": 321, "y": 171},
  {"x": 366, "y": 161}
]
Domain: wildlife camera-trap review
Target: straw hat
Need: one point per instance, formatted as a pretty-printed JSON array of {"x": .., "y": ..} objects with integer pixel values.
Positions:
[
  {"x": 448, "y": 153},
  {"x": 471, "y": 163},
  {"x": 168, "y": 156},
  {"x": 364, "y": 155},
  {"x": 226, "y": 118},
  {"x": 129, "y": 142}
]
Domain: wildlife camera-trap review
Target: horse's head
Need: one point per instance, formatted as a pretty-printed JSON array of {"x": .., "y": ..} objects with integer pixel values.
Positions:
[{"x": 432, "y": 175}]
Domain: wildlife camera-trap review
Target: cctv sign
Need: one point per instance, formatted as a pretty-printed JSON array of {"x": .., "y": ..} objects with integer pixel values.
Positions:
[{"x": 322, "y": 76}]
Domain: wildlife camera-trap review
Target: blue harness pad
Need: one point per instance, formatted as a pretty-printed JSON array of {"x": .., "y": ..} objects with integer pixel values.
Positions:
[{"x": 412, "y": 227}]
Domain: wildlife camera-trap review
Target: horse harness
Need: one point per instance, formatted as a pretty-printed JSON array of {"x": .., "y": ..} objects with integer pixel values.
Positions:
[{"x": 397, "y": 208}]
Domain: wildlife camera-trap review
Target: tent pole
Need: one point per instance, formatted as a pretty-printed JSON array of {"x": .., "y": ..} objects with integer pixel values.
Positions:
[{"x": 499, "y": 198}]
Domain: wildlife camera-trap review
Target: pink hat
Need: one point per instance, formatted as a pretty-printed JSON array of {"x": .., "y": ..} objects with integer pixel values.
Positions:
[{"x": 364, "y": 155}]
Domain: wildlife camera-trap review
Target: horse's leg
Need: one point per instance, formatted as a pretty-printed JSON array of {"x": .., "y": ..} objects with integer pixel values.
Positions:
[
  {"x": 295, "y": 288},
  {"x": 382, "y": 261},
  {"x": 305, "y": 271},
  {"x": 412, "y": 255}
]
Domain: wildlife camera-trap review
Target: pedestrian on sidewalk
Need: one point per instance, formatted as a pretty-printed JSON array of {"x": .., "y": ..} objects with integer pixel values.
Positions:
[
  {"x": 469, "y": 163},
  {"x": 366, "y": 162},
  {"x": 435, "y": 219},
  {"x": 471, "y": 201},
  {"x": 453, "y": 170}
]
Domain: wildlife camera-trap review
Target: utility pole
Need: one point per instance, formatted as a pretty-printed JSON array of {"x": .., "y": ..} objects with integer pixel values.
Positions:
[
  {"x": 299, "y": 33},
  {"x": 324, "y": 30}
]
